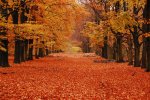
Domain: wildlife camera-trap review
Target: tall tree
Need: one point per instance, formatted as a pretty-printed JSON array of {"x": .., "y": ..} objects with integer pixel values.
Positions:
[{"x": 3, "y": 34}]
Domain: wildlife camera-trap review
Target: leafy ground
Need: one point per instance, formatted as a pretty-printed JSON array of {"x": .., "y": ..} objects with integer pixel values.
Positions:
[{"x": 73, "y": 77}]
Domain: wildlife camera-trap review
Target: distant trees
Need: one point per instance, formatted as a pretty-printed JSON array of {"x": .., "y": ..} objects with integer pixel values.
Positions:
[
  {"x": 125, "y": 28},
  {"x": 40, "y": 27}
]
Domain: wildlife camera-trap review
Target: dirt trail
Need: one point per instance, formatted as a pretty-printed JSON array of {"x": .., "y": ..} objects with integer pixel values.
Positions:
[{"x": 73, "y": 77}]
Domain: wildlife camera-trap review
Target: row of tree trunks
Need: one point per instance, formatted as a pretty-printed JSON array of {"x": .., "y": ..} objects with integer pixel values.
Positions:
[
  {"x": 41, "y": 51},
  {"x": 23, "y": 47},
  {"x": 115, "y": 52},
  {"x": 23, "y": 50}
]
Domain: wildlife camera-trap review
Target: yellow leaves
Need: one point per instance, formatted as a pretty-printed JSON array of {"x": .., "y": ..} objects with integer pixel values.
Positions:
[
  {"x": 27, "y": 31},
  {"x": 4, "y": 25},
  {"x": 117, "y": 25},
  {"x": 136, "y": 2},
  {"x": 94, "y": 32},
  {"x": 121, "y": 22}
]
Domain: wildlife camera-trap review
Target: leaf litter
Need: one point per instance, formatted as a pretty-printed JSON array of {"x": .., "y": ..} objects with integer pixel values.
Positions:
[{"x": 73, "y": 77}]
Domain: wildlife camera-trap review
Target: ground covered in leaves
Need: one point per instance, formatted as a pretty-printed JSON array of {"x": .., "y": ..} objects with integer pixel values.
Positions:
[{"x": 73, "y": 77}]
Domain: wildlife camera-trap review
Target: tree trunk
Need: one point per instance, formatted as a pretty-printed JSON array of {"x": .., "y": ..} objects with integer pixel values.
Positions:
[
  {"x": 110, "y": 52},
  {"x": 37, "y": 49},
  {"x": 30, "y": 55},
  {"x": 41, "y": 53},
  {"x": 146, "y": 28},
  {"x": 114, "y": 51},
  {"x": 135, "y": 35},
  {"x": 137, "y": 56},
  {"x": 47, "y": 52},
  {"x": 119, "y": 49},
  {"x": 17, "y": 56},
  {"x": 85, "y": 45},
  {"x": 4, "y": 54},
  {"x": 143, "y": 63},
  {"x": 130, "y": 52},
  {"x": 104, "y": 49},
  {"x": 26, "y": 49},
  {"x": 36, "y": 53},
  {"x": 22, "y": 50},
  {"x": 4, "y": 41},
  {"x": 148, "y": 55}
]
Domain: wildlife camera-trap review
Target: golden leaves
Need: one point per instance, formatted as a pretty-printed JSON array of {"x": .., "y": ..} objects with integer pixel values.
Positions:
[{"x": 95, "y": 33}]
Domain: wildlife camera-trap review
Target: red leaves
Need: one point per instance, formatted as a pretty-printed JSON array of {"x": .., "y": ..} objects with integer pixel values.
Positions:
[{"x": 64, "y": 76}]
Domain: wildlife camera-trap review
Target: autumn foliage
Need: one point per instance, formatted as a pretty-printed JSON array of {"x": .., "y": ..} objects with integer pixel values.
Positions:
[
  {"x": 74, "y": 49},
  {"x": 37, "y": 27},
  {"x": 120, "y": 30}
]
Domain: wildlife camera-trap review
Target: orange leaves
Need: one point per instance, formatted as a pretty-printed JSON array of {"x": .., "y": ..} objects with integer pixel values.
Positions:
[
  {"x": 146, "y": 34},
  {"x": 46, "y": 17},
  {"x": 61, "y": 16},
  {"x": 73, "y": 76}
]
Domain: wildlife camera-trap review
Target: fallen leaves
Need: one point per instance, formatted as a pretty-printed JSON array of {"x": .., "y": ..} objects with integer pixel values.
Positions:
[{"x": 75, "y": 77}]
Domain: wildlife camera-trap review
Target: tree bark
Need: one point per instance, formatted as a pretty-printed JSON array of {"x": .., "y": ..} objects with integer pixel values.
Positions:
[
  {"x": 4, "y": 54},
  {"x": 47, "y": 53},
  {"x": 119, "y": 49},
  {"x": 137, "y": 56},
  {"x": 143, "y": 63},
  {"x": 22, "y": 51},
  {"x": 26, "y": 48},
  {"x": 146, "y": 28},
  {"x": 148, "y": 55},
  {"x": 104, "y": 49},
  {"x": 30, "y": 55},
  {"x": 17, "y": 56},
  {"x": 135, "y": 35},
  {"x": 130, "y": 52},
  {"x": 115, "y": 51}
]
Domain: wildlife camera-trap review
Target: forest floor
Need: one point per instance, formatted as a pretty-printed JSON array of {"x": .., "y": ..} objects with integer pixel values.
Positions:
[{"x": 73, "y": 77}]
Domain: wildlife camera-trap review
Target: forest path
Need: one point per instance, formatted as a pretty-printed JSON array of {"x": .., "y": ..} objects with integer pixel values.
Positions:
[{"x": 73, "y": 77}]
